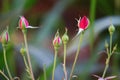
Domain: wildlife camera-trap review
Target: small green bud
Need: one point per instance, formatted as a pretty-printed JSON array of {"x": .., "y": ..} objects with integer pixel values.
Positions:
[
  {"x": 111, "y": 29},
  {"x": 106, "y": 44},
  {"x": 115, "y": 47},
  {"x": 23, "y": 50},
  {"x": 65, "y": 37}
]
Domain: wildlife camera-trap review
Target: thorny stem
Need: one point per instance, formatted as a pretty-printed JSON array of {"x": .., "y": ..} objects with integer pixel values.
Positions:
[
  {"x": 4, "y": 75},
  {"x": 54, "y": 64},
  {"x": 109, "y": 56},
  {"x": 64, "y": 64},
  {"x": 5, "y": 60},
  {"x": 28, "y": 56},
  {"x": 77, "y": 53}
]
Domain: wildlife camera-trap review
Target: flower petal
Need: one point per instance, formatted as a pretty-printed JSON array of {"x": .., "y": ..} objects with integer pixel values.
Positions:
[
  {"x": 31, "y": 27},
  {"x": 96, "y": 76},
  {"x": 110, "y": 77},
  {"x": 6, "y": 36},
  {"x": 83, "y": 23},
  {"x": 101, "y": 79},
  {"x": 23, "y": 22}
]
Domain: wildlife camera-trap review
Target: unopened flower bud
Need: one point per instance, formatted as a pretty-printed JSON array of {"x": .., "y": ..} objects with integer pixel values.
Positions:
[
  {"x": 5, "y": 37},
  {"x": 83, "y": 23},
  {"x": 106, "y": 44},
  {"x": 65, "y": 37},
  {"x": 115, "y": 47},
  {"x": 111, "y": 29},
  {"x": 23, "y": 51},
  {"x": 57, "y": 41},
  {"x": 23, "y": 23}
]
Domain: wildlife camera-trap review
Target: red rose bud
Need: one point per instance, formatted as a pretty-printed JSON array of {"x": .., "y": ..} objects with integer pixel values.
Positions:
[
  {"x": 57, "y": 40},
  {"x": 82, "y": 24}
]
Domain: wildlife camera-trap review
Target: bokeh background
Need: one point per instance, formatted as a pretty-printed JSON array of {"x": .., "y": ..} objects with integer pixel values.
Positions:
[{"x": 50, "y": 15}]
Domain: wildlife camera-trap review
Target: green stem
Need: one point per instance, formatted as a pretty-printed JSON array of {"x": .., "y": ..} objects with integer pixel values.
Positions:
[
  {"x": 111, "y": 44},
  {"x": 25, "y": 62},
  {"x": 77, "y": 53},
  {"x": 27, "y": 67},
  {"x": 65, "y": 52},
  {"x": 109, "y": 56},
  {"x": 4, "y": 75},
  {"x": 106, "y": 67},
  {"x": 28, "y": 56},
  {"x": 54, "y": 65},
  {"x": 64, "y": 64},
  {"x": 5, "y": 60},
  {"x": 44, "y": 69},
  {"x": 107, "y": 51}
]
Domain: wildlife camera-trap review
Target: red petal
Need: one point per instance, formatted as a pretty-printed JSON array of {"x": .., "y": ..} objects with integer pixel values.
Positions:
[{"x": 83, "y": 23}]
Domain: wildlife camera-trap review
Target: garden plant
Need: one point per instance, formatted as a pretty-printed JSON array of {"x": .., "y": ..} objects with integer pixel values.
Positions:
[{"x": 82, "y": 24}]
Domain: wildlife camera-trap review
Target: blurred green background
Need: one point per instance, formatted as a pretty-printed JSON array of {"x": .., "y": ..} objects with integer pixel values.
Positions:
[{"x": 50, "y": 15}]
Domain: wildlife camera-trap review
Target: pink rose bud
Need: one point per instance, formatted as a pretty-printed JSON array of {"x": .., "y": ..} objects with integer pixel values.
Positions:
[
  {"x": 23, "y": 23},
  {"x": 5, "y": 37},
  {"x": 57, "y": 40}
]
